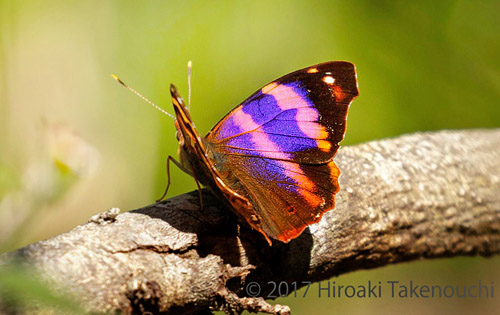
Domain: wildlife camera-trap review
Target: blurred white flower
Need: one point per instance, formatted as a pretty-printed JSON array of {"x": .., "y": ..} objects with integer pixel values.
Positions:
[
  {"x": 69, "y": 150},
  {"x": 63, "y": 158}
]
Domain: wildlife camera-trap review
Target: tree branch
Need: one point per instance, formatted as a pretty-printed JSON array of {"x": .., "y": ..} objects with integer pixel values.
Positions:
[{"x": 424, "y": 195}]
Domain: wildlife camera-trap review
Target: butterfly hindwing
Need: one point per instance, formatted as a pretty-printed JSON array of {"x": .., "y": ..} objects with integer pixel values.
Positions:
[
  {"x": 276, "y": 148},
  {"x": 288, "y": 196}
]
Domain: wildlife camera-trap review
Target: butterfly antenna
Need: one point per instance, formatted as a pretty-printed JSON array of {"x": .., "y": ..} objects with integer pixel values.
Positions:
[
  {"x": 190, "y": 67},
  {"x": 144, "y": 98}
]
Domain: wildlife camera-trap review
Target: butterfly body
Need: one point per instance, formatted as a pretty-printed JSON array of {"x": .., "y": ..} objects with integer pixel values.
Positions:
[
  {"x": 198, "y": 159},
  {"x": 271, "y": 158}
]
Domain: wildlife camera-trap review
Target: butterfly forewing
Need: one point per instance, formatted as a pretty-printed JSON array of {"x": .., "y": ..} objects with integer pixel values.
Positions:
[
  {"x": 299, "y": 117},
  {"x": 276, "y": 148}
]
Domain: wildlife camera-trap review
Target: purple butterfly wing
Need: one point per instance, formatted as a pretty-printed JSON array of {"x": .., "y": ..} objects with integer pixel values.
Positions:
[{"x": 276, "y": 148}]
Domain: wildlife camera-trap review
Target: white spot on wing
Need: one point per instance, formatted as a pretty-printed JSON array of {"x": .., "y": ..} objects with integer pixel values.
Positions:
[{"x": 329, "y": 79}]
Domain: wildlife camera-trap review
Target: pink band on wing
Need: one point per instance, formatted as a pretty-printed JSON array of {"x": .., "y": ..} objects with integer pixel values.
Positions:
[{"x": 307, "y": 116}]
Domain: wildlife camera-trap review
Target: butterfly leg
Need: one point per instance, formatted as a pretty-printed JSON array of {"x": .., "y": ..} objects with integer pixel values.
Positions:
[
  {"x": 169, "y": 159},
  {"x": 199, "y": 187}
]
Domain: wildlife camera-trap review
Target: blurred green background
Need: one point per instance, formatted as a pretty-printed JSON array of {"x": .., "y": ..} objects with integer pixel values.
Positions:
[{"x": 74, "y": 143}]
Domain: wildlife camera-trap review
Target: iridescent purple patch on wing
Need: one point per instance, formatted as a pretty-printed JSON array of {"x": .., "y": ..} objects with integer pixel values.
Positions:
[
  {"x": 263, "y": 108},
  {"x": 230, "y": 128},
  {"x": 287, "y": 175},
  {"x": 257, "y": 127}
]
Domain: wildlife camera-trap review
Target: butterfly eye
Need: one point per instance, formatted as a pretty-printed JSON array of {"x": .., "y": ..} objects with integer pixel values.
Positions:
[{"x": 180, "y": 137}]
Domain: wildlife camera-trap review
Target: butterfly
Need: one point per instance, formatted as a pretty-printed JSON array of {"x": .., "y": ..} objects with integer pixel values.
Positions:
[{"x": 271, "y": 157}]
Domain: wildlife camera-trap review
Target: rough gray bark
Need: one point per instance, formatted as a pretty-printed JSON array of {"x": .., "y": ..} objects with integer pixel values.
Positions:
[{"x": 424, "y": 195}]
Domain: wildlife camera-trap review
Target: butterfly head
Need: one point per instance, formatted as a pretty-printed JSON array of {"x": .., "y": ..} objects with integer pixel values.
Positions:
[{"x": 186, "y": 133}]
